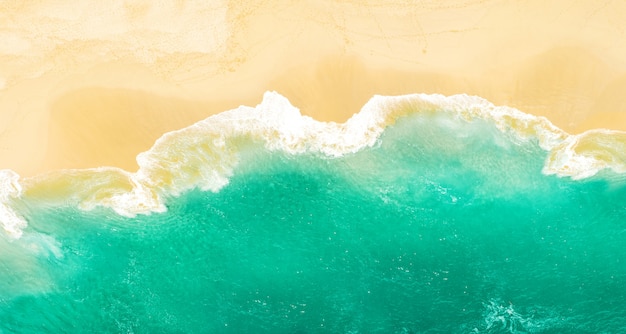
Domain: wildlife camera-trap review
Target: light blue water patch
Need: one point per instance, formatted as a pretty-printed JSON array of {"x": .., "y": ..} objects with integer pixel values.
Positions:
[{"x": 443, "y": 227}]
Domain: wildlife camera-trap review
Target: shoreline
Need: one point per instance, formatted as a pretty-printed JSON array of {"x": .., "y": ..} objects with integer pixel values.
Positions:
[{"x": 71, "y": 105}]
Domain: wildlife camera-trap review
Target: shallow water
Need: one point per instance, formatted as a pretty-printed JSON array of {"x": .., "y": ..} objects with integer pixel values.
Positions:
[{"x": 443, "y": 225}]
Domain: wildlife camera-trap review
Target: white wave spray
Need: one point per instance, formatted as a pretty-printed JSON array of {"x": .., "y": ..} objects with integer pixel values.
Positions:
[{"x": 205, "y": 154}]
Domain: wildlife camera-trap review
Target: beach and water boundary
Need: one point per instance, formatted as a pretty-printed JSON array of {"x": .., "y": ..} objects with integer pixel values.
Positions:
[
  {"x": 493, "y": 208},
  {"x": 420, "y": 213}
]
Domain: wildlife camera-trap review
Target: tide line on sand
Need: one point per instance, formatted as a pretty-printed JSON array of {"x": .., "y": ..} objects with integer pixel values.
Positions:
[{"x": 205, "y": 154}]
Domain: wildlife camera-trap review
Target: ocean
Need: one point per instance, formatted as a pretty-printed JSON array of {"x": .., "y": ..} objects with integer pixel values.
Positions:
[{"x": 420, "y": 214}]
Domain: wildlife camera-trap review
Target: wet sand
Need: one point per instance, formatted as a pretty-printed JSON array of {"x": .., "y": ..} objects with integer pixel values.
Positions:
[{"x": 94, "y": 85}]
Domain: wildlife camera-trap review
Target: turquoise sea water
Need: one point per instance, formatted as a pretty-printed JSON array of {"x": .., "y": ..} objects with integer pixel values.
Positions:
[{"x": 445, "y": 224}]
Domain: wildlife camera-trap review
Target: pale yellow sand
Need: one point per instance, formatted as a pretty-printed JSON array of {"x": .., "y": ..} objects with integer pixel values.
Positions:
[{"x": 93, "y": 84}]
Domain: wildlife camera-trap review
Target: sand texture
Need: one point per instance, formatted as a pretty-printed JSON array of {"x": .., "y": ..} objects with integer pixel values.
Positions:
[{"x": 95, "y": 83}]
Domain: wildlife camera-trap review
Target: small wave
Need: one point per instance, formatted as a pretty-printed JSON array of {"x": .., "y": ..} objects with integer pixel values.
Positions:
[{"x": 205, "y": 154}]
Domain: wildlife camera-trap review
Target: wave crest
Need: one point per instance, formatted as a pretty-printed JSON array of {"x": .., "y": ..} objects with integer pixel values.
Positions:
[
  {"x": 205, "y": 154},
  {"x": 10, "y": 188}
]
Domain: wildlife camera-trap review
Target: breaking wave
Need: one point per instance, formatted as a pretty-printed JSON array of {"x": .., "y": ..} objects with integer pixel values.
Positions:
[{"x": 204, "y": 155}]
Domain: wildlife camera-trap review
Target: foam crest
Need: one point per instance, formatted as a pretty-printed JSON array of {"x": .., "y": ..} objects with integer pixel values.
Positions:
[
  {"x": 89, "y": 188},
  {"x": 501, "y": 318},
  {"x": 10, "y": 188},
  {"x": 584, "y": 155},
  {"x": 577, "y": 156},
  {"x": 205, "y": 154}
]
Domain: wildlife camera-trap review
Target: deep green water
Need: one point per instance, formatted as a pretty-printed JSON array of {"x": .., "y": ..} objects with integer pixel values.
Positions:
[{"x": 443, "y": 227}]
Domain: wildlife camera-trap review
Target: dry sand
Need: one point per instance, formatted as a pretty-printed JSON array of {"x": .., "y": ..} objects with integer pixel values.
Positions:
[{"x": 94, "y": 84}]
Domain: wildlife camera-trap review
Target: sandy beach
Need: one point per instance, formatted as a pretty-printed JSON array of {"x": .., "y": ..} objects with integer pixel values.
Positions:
[{"x": 95, "y": 84}]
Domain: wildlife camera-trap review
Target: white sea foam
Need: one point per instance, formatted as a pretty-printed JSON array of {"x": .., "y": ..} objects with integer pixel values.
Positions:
[
  {"x": 10, "y": 188},
  {"x": 205, "y": 154},
  {"x": 584, "y": 155},
  {"x": 503, "y": 318},
  {"x": 139, "y": 199}
]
